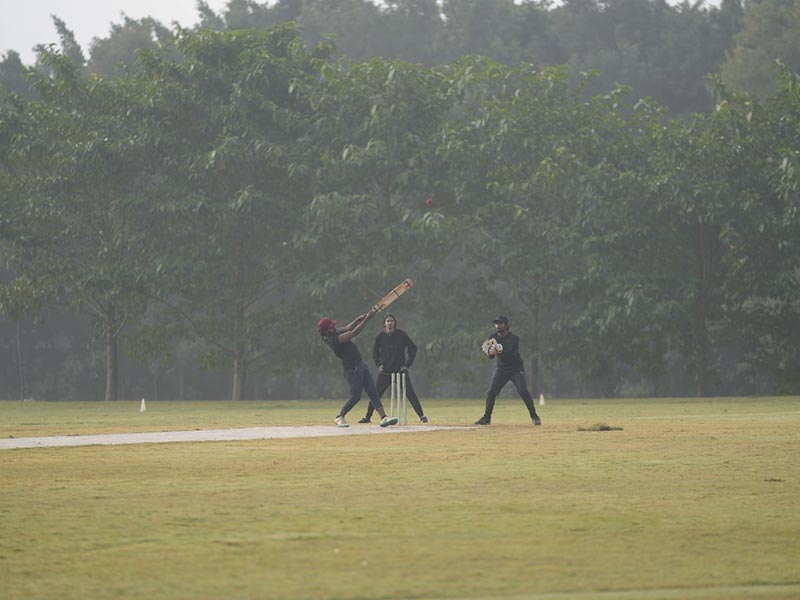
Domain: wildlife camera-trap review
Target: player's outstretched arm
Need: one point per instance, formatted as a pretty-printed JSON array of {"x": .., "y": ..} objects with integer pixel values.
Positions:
[{"x": 356, "y": 327}]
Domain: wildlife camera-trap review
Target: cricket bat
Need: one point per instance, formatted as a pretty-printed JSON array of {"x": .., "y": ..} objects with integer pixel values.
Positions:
[{"x": 401, "y": 289}]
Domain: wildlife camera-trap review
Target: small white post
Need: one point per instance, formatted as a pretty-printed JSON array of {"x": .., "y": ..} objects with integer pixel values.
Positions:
[
  {"x": 142, "y": 406},
  {"x": 541, "y": 399}
]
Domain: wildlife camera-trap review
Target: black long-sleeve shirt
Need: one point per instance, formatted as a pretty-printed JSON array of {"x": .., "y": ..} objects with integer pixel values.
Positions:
[
  {"x": 509, "y": 359},
  {"x": 347, "y": 351},
  {"x": 393, "y": 350}
]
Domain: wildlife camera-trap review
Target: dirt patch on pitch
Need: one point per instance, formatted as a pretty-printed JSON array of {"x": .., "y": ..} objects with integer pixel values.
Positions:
[{"x": 209, "y": 435}]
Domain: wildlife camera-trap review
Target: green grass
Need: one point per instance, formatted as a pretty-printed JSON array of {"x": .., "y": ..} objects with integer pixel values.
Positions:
[{"x": 689, "y": 499}]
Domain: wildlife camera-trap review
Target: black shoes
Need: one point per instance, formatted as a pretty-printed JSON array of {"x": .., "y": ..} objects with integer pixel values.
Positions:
[
  {"x": 363, "y": 420},
  {"x": 484, "y": 420}
]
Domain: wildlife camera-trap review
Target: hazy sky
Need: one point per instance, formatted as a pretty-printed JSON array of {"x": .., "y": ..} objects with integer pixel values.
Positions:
[{"x": 25, "y": 23}]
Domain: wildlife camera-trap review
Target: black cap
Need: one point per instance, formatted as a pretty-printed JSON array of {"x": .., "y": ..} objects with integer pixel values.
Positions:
[{"x": 501, "y": 319}]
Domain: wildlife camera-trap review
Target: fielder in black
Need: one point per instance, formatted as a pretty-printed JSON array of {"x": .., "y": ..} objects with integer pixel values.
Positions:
[
  {"x": 394, "y": 352},
  {"x": 504, "y": 346}
]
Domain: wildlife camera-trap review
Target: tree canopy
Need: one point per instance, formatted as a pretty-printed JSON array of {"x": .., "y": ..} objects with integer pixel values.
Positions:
[{"x": 207, "y": 203}]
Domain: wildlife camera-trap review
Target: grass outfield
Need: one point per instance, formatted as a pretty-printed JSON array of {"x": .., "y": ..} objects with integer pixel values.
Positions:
[{"x": 689, "y": 499}]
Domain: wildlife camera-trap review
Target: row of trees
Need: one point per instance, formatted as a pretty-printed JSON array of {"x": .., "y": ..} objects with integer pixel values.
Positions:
[
  {"x": 224, "y": 201},
  {"x": 661, "y": 50}
]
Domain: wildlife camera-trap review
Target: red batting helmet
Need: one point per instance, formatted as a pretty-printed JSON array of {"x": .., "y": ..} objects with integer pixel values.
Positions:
[{"x": 325, "y": 323}]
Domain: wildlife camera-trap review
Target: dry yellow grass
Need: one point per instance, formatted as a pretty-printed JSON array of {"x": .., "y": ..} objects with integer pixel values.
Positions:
[{"x": 690, "y": 499}]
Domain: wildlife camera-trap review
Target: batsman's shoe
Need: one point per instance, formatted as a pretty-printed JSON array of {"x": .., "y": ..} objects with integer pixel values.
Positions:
[
  {"x": 363, "y": 420},
  {"x": 537, "y": 421},
  {"x": 423, "y": 419},
  {"x": 341, "y": 422},
  {"x": 386, "y": 421},
  {"x": 484, "y": 420}
]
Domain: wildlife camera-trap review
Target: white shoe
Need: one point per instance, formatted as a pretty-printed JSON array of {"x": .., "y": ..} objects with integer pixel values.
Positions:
[
  {"x": 387, "y": 421},
  {"x": 341, "y": 422}
]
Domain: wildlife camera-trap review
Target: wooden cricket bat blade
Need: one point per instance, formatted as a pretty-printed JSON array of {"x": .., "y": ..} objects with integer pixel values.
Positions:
[{"x": 401, "y": 289}]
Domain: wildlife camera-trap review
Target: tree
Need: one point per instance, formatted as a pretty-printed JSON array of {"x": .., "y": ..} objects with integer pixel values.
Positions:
[
  {"x": 12, "y": 75},
  {"x": 763, "y": 290},
  {"x": 376, "y": 124},
  {"x": 771, "y": 32},
  {"x": 116, "y": 54},
  {"x": 208, "y": 18},
  {"x": 479, "y": 27},
  {"x": 356, "y": 26},
  {"x": 517, "y": 157},
  {"x": 77, "y": 220},
  {"x": 69, "y": 45},
  {"x": 660, "y": 51},
  {"x": 685, "y": 237},
  {"x": 414, "y": 31},
  {"x": 238, "y": 113}
]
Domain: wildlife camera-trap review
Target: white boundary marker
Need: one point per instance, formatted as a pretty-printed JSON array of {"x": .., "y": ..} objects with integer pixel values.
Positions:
[{"x": 208, "y": 435}]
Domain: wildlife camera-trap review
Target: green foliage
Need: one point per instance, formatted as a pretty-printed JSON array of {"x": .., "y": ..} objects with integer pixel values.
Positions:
[
  {"x": 766, "y": 258},
  {"x": 237, "y": 180},
  {"x": 662, "y": 51},
  {"x": 770, "y": 33},
  {"x": 378, "y": 123},
  {"x": 69, "y": 45},
  {"x": 229, "y": 266},
  {"x": 12, "y": 75},
  {"x": 514, "y": 158},
  {"x": 78, "y": 213},
  {"x": 116, "y": 54}
]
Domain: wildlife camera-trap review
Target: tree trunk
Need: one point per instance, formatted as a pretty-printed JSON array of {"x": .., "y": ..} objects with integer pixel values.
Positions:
[
  {"x": 536, "y": 356},
  {"x": 239, "y": 364},
  {"x": 701, "y": 351},
  {"x": 701, "y": 340},
  {"x": 156, "y": 373},
  {"x": 181, "y": 382},
  {"x": 19, "y": 364},
  {"x": 112, "y": 363},
  {"x": 239, "y": 377}
]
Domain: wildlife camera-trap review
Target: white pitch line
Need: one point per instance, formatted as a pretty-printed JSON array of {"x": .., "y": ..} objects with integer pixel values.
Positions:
[{"x": 207, "y": 435}]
